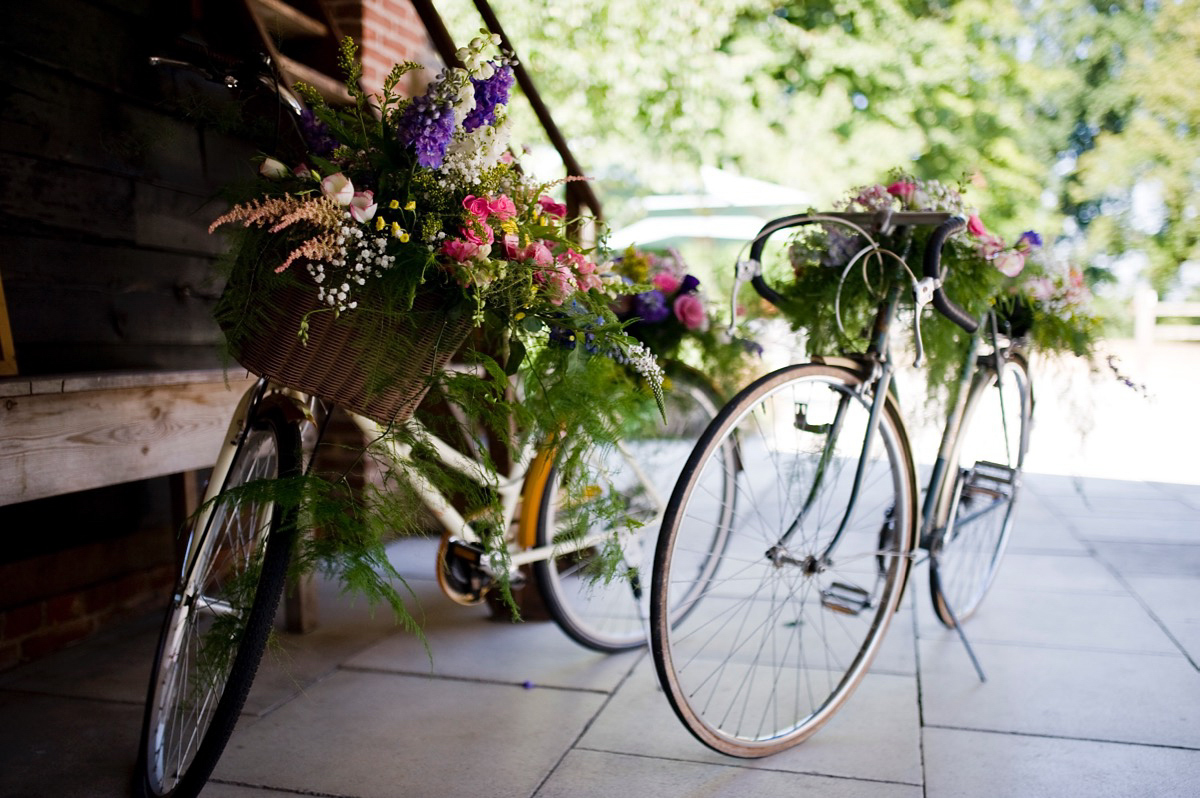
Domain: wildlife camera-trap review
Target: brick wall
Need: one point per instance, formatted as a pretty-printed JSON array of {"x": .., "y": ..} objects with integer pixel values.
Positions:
[{"x": 387, "y": 31}]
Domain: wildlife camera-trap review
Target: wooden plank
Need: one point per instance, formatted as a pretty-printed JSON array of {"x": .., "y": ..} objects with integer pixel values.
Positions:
[{"x": 61, "y": 443}]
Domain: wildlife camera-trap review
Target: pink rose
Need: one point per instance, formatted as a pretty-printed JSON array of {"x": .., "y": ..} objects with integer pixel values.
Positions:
[
  {"x": 975, "y": 225},
  {"x": 552, "y": 208},
  {"x": 666, "y": 282},
  {"x": 363, "y": 206},
  {"x": 690, "y": 311},
  {"x": 484, "y": 235},
  {"x": 903, "y": 190},
  {"x": 476, "y": 206},
  {"x": 1010, "y": 262},
  {"x": 339, "y": 188},
  {"x": 460, "y": 250},
  {"x": 502, "y": 208},
  {"x": 539, "y": 253},
  {"x": 302, "y": 171}
]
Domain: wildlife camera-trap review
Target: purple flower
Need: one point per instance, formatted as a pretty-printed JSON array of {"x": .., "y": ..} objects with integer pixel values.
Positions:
[
  {"x": 689, "y": 284},
  {"x": 488, "y": 94},
  {"x": 651, "y": 306},
  {"x": 316, "y": 135},
  {"x": 426, "y": 129},
  {"x": 1030, "y": 239}
]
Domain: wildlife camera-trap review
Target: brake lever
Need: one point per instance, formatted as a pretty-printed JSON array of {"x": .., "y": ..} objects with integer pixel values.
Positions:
[{"x": 922, "y": 295}]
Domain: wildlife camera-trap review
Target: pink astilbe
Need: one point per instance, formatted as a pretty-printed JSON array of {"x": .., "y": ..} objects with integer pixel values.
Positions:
[
  {"x": 282, "y": 212},
  {"x": 321, "y": 212},
  {"x": 323, "y": 247}
]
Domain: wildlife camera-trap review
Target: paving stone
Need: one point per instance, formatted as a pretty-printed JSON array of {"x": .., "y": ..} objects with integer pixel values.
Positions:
[
  {"x": 874, "y": 736},
  {"x": 51, "y": 746},
  {"x": 588, "y": 774},
  {"x": 1175, "y": 602},
  {"x": 374, "y": 735},
  {"x": 1052, "y": 618},
  {"x": 1094, "y": 695},
  {"x": 1154, "y": 559},
  {"x": 981, "y": 765}
]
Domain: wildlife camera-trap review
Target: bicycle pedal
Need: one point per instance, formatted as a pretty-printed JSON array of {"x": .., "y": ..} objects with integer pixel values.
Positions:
[
  {"x": 990, "y": 479},
  {"x": 846, "y": 599},
  {"x": 462, "y": 573}
]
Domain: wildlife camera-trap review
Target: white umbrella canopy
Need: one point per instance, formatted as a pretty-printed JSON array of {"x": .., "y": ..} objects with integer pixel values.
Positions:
[{"x": 727, "y": 207}]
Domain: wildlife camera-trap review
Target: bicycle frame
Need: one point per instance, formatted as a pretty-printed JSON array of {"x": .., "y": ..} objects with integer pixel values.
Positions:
[{"x": 520, "y": 488}]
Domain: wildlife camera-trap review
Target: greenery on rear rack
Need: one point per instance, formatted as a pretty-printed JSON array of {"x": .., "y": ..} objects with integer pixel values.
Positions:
[
  {"x": 396, "y": 197},
  {"x": 1036, "y": 296}
]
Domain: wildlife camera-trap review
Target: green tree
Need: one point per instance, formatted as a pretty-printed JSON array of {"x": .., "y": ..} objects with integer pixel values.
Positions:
[{"x": 1052, "y": 111}]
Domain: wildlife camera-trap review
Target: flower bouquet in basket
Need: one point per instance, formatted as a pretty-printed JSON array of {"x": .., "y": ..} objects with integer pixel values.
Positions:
[
  {"x": 1035, "y": 297},
  {"x": 404, "y": 233},
  {"x": 674, "y": 318}
]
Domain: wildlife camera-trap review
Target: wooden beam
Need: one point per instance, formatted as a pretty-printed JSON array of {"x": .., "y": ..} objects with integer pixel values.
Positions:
[{"x": 61, "y": 441}]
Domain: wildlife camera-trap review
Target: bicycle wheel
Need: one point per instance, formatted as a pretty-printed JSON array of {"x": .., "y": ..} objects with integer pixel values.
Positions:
[
  {"x": 788, "y": 623},
  {"x": 608, "y": 611},
  {"x": 978, "y": 509},
  {"x": 218, "y": 621}
]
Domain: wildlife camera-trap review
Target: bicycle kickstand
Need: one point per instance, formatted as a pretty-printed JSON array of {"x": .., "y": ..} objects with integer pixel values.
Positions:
[{"x": 962, "y": 636}]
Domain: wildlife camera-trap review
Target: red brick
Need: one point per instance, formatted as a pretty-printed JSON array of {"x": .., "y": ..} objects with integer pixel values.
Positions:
[
  {"x": 62, "y": 609},
  {"x": 55, "y": 638},
  {"x": 22, "y": 621},
  {"x": 10, "y": 656}
]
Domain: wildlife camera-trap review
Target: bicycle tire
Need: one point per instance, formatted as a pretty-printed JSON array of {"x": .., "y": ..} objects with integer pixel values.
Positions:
[
  {"x": 183, "y": 735},
  {"x": 749, "y": 669},
  {"x": 976, "y": 513},
  {"x": 609, "y": 612}
]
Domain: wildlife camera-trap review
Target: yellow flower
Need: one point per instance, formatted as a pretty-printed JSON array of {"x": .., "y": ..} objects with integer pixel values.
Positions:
[
  {"x": 411, "y": 206},
  {"x": 379, "y": 222},
  {"x": 509, "y": 225},
  {"x": 394, "y": 204},
  {"x": 520, "y": 315},
  {"x": 404, "y": 238}
]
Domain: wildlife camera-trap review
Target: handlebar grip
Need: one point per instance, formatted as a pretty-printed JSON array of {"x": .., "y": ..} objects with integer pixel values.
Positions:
[
  {"x": 760, "y": 243},
  {"x": 933, "y": 264}
]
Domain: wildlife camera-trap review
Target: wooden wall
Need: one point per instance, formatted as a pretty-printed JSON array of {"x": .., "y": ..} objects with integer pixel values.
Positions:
[{"x": 110, "y": 171}]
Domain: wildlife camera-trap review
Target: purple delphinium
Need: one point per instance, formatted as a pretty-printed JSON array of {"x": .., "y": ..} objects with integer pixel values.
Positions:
[
  {"x": 651, "y": 306},
  {"x": 426, "y": 128},
  {"x": 316, "y": 135},
  {"x": 488, "y": 94}
]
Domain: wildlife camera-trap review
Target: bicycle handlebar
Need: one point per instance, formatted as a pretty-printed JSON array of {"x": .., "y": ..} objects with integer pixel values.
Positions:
[
  {"x": 886, "y": 221},
  {"x": 933, "y": 264}
]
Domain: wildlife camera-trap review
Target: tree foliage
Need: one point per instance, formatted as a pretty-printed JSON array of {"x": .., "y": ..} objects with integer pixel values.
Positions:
[{"x": 1064, "y": 115}]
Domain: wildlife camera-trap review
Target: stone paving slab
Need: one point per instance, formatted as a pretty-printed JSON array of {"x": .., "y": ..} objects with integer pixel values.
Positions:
[
  {"x": 595, "y": 774},
  {"x": 983, "y": 765},
  {"x": 385, "y": 735},
  {"x": 1090, "y": 639},
  {"x": 1152, "y": 699},
  {"x": 876, "y": 736}
]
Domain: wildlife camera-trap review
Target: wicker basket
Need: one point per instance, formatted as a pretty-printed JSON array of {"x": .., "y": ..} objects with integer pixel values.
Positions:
[{"x": 357, "y": 360}]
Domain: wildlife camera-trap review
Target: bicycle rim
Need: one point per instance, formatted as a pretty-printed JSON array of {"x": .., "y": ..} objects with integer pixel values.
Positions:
[
  {"x": 990, "y": 454},
  {"x": 783, "y": 628},
  {"x": 217, "y": 623},
  {"x": 598, "y": 607}
]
